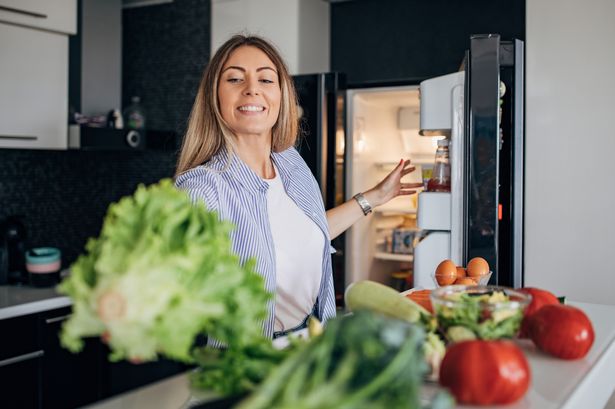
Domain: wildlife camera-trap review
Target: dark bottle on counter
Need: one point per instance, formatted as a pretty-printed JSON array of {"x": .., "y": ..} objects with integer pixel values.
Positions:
[
  {"x": 14, "y": 235},
  {"x": 441, "y": 176}
]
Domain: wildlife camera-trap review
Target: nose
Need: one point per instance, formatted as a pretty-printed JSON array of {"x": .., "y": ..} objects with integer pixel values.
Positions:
[{"x": 251, "y": 86}]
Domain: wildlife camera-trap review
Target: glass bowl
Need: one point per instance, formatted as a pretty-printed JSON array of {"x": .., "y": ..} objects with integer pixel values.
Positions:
[
  {"x": 481, "y": 280},
  {"x": 478, "y": 312}
]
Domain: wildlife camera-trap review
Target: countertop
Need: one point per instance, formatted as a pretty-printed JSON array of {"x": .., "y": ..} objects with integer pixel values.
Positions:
[
  {"x": 16, "y": 300},
  {"x": 584, "y": 383}
]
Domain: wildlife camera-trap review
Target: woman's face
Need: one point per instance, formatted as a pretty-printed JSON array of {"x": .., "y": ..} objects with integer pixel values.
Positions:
[{"x": 249, "y": 92}]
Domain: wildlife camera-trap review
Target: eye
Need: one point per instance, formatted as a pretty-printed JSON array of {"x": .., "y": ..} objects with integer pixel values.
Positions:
[
  {"x": 266, "y": 81},
  {"x": 233, "y": 80}
]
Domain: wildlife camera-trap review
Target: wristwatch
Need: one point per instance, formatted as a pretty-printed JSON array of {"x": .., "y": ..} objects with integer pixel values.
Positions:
[{"x": 363, "y": 203}]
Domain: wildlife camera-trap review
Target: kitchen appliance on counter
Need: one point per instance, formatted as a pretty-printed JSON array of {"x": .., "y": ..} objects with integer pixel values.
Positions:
[
  {"x": 357, "y": 135},
  {"x": 12, "y": 251}
]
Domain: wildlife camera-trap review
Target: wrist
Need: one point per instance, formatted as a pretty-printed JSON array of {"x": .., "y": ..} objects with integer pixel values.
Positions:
[{"x": 373, "y": 197}]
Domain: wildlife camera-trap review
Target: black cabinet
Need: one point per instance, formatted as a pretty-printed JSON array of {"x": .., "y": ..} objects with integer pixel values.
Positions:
[
  {"x": 20, "y": 363},
  {"x": 120, "y": 377},
  {"x": 20, "y": 386},
  {"x": 37, "y": 372},
  {"x": 68, "y": 380}
]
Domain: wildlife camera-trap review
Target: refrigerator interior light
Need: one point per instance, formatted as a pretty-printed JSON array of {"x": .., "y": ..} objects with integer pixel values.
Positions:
[{"x": 359, "y": 130}]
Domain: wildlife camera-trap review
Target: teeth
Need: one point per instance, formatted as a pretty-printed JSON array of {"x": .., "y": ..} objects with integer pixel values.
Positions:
[{"x": 251, "y": 108}]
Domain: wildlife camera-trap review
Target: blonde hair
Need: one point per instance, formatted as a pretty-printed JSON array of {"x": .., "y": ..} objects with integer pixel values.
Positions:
[{"x": 208, "y": 133}]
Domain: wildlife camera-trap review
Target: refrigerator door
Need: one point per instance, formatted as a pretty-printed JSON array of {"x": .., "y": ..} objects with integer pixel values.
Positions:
[
  {"x": 485, "y": 121},
  {"x": 321, "y": 144},
  {"x": 428, "y": 253},
  {"x": 494, "y": 127}
]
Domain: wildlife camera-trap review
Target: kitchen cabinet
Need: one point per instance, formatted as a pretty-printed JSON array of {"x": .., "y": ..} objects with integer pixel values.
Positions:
[
  {"x": 68, "y": 380},
  {"x": 123, "y": 376},
  {"x": 34, "y": 84},
  {"x": 52, "y": 15},
  {"x": 37, "y": 372},
  {"x": 20, "y": 363}
]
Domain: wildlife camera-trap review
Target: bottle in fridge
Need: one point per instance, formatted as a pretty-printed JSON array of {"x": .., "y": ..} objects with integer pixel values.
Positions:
[{"x": 440, "y": 180}]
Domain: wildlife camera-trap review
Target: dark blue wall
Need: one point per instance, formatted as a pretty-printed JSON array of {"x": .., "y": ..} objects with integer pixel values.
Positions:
[{"x": 388, "y": 40}]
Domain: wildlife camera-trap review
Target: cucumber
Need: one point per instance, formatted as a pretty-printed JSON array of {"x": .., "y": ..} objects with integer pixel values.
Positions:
[
  {"x": 373, "y": 296},
  {"x": 457, "y": 333}
]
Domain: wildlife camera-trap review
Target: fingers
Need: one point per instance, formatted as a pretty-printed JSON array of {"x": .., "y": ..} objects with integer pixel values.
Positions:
[
  {"x": 406, "y": 192},
  {"x": 408, "y": 170},
  {"x": 410, "y": 185}
]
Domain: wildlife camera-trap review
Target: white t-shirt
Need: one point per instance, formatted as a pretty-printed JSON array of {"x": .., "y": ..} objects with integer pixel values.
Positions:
[{"x": 298, "y": 244}]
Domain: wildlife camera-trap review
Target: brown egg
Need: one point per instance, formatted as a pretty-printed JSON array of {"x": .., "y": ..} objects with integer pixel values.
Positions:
[
  {"x": 461, "y": 272},
  {"x": 477, "y": 267},
  {"x": 446, "y": 273},
  {"x": 465, "y": 281}
]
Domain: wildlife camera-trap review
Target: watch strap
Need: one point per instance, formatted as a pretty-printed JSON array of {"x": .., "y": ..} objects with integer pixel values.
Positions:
[{"x": 363, "y": 203}]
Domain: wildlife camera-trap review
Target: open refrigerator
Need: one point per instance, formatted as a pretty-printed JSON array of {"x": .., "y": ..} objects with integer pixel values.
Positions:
[
  {"x": 383, "y": 128},
  {"x": 354, "y": 137}
]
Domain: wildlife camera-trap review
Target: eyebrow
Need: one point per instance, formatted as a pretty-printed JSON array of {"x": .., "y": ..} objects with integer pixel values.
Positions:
[{"x": 244, "y": 70}]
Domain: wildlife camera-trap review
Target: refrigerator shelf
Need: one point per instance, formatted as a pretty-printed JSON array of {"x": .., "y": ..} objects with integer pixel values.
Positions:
[
  {"x": 394, "y": 211},
  {"x": 381, "y": 255},
  {"x": 389, "y": 166}
]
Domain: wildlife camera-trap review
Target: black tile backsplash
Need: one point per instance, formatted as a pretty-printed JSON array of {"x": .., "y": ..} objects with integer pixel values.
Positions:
[
  {"x": 64, "y": 195},
  {"x": 165, "y": 48}
]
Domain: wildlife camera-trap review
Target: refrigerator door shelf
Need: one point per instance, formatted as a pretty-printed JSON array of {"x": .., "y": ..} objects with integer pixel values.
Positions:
[
  {"x": 434, "y": 211},
  {"x": 436, "y": 103},
  {"x": 428, "y": 253}
]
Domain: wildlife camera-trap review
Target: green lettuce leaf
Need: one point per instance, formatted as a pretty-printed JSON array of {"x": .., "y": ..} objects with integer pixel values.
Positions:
[{"x": 162, "y": 272}]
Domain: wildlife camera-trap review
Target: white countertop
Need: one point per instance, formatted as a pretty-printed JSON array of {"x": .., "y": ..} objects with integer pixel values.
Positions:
[
  {"x": 582, "y": 384},
  {"x": 16, "y": 301}
]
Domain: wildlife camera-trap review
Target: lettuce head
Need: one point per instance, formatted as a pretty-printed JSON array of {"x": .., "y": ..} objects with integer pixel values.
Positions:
[{"x": 162, "y": 272}]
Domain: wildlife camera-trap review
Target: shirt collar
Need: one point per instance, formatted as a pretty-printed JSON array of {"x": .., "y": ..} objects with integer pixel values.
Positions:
[{"x": 225, "y": 161}]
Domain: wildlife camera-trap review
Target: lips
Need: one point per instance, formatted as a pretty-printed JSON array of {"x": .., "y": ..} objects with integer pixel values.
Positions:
[{"x": 251, "y": 108}]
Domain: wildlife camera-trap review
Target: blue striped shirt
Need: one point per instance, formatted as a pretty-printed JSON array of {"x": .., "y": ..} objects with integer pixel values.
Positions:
[{"x": 229, "y": 187}]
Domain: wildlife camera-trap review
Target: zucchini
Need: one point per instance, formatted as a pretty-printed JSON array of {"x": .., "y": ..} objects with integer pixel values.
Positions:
[{"x": 376, "y": 297}]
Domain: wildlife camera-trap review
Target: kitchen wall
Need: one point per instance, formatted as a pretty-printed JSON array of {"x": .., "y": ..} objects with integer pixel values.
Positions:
[
  {"x": 375, "y": 40},
  {"x": 298, "y": 28},
  {"x": 63, "y": 195},
  {"x": 165, "y": 48},
  {"x": 570, "y": 143}
]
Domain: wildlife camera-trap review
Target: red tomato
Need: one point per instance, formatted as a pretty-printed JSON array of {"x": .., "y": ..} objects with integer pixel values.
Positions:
[
  {"x": 562, "y": 331},
  {"x": 539, "y": 298},
  {"x": 485, "y": 372}
]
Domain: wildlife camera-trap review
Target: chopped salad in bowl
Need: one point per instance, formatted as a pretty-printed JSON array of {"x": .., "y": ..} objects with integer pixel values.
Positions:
[{"x": 478, "y": 312}]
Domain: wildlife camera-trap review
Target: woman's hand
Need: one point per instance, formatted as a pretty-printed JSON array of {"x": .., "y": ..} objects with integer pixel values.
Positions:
[
  {"x": 391, "y": 186},
  {"x": 345, "y": 215}
]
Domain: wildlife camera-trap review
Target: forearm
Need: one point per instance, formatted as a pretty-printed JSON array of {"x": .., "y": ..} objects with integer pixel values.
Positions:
[{"x": 340, "y": 218}]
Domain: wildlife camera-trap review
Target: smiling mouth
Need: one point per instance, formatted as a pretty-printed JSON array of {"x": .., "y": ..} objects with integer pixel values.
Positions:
[{"x": 251, "y": 108}]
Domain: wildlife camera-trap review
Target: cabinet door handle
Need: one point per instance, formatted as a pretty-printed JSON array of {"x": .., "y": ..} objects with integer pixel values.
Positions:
[
  {"x": 21, "y": 358},
  {"x": 57, "y": 319},
  {"x": 25, "y": 12},
  {"x": 24, "y": 138}
]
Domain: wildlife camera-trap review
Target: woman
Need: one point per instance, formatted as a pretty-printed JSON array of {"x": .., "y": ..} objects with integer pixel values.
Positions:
[{"x": 238, "y": 156}]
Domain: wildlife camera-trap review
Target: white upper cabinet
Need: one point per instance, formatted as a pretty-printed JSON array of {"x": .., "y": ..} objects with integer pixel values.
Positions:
[
  {"x": 33, "y": 88},
  {"x": 52, "y": 15}
]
